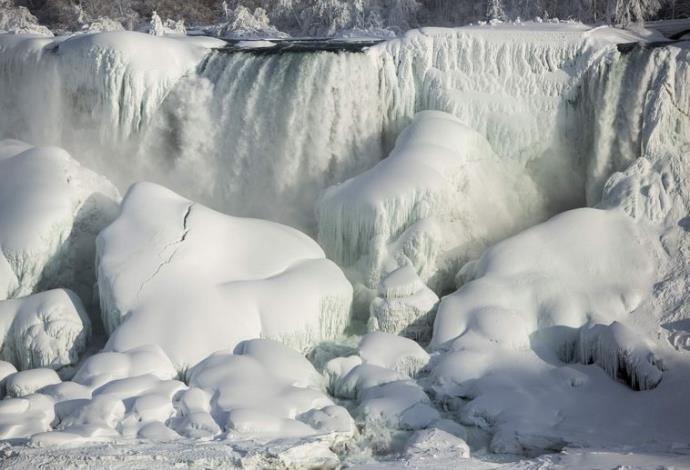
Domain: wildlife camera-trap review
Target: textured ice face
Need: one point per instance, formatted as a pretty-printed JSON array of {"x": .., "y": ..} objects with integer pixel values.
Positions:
[
  {"x": 49, "y": 329},
  {"x": 51, "y": 209},
  {"x": 193, "y": 281}
]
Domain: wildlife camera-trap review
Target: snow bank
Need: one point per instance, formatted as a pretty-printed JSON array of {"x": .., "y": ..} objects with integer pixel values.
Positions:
[
  {"x": 51, "y": 209},
  {"x": 49, "y": 329},
  {"x": 193, "y": 281}
]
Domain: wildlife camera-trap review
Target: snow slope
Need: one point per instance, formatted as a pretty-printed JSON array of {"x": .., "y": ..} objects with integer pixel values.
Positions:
[{"x": 191, "y": 280}]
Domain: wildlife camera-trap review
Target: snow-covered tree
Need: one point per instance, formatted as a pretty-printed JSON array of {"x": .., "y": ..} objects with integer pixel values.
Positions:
[
  {"x": 19, "y": 20},
  {"x": 156, "y": 25},
  {"x": 631, "y": 11},
  {"x": 494, "y": 10}
]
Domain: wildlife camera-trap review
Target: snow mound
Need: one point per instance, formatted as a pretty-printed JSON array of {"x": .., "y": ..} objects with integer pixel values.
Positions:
[
  {"x": 26, "y": 382},
  {"x": 583, "y": 264},
  {"x": 105, "y": 367},
  {"x": 386, "y": 402},
  {"x": 166, "y": 257},
  {"x": 393, "y": 352},
  {"x": 261, "y": 391},
  {"x": 426, "y": 205},
  {"x": 49, "y": 329},
  {"x": 51, "y": 209},
  {"x": 435, "y": 442},
  {"x": 22, "y": 417},
  {"x": 546, "y": 319}
]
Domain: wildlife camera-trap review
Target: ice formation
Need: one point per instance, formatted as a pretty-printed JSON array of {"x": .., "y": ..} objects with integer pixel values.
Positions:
[
  {"x": 426, "y": 205},
  {"x": 49, "y": 329},
  {"x": 51, "y": 209},
  {"x": 193, "y": 281},
  {"x": 130, "y": 96},
  {"x": 621, "y": 352},
  {"x": 554, "y": 331}
]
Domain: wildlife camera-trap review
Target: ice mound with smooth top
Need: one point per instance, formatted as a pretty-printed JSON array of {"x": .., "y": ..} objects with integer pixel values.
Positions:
[
  {"x": 51, "y": 209},
  {"x": 193, "y": 281},
  {"x": 49, "y": 329}
]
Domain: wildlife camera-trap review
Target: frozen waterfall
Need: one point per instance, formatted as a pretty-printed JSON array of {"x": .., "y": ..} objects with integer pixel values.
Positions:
[{"x": 263, "y": 134}]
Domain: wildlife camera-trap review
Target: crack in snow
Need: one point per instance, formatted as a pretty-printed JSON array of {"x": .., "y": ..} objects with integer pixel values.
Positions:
[{"x": 176, "y": 244}]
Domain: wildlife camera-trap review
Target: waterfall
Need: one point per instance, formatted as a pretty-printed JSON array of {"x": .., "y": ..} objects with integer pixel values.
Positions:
[{"x": 263, "y": 135}]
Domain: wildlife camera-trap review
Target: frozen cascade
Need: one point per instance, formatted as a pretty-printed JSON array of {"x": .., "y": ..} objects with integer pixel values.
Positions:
[{"x": 261, "y": 134}]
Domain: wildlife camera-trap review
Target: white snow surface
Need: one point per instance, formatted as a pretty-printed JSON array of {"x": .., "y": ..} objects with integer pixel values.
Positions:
[{"x": 193, "y": 281}]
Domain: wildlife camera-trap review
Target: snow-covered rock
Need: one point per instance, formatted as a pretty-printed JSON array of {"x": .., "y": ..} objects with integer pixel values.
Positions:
[
  {"x": 26, "y": 382},
  {"x": 435, "y": 442},
  {"x": 49, "y": 329},
  {"x": 105, "y": 367},
  {"x": 6, "y": 369},
  {"x": 51, "y": 209},
  {"x": 194, "y": 281},
  {"x": 393, "y": 352},
  {"x": 22, "y": 417}
]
